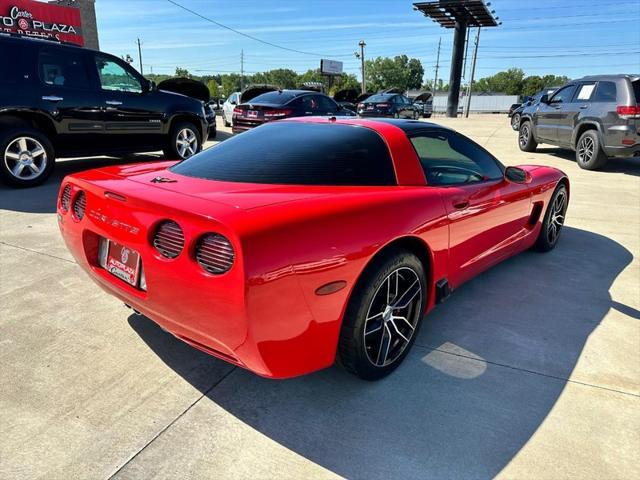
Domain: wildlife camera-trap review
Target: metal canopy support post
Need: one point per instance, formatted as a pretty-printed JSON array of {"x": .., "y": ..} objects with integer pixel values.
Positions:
[{"x": 456, "y": 68}]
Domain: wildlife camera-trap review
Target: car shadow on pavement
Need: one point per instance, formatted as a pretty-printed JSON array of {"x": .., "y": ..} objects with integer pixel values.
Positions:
[
  {"x": 486, "y": 370},
  {"x": 628, "y": 166}
]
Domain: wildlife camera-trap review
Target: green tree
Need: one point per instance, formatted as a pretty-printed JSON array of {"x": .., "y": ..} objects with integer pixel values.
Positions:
[
  {"x": 182, "y": 72},
  {"x": 230, "y": 83},
  {"x": 214, "y": 89},
  {"x": 399, "y": 71}
]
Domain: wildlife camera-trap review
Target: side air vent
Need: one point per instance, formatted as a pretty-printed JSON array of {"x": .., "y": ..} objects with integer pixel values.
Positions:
[
  {"x": 215, "y": 253},
  {"x": 169, "y": 239},
  {"x": 79, "y": 204},
  {"x": 65, "y": 198}
]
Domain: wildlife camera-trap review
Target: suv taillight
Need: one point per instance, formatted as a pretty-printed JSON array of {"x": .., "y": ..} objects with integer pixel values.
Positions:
[
  {"x": 628, "y": 111},
  {"x": 271, "y": 114}
]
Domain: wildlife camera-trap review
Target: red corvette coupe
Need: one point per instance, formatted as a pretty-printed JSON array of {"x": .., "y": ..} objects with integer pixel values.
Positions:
[{"x": 307, "y": 241}]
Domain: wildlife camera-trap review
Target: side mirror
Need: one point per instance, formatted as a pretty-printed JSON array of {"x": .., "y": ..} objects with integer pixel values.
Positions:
[
  {"x": 517, "y": 175},
  {"x": 151, "y": 86},
  {"x": 544, "y": 98}
]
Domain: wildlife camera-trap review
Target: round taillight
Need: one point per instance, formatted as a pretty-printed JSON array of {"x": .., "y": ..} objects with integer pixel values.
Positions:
[
  {"x": 65, "y": 198},
  {"x": 79, "y": 204},
  {"x": 214, "y": 253},
  {"x": 169, "y": 239}
]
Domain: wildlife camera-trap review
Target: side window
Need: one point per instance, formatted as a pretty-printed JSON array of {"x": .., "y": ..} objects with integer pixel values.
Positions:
[
  {"x": 605, "y": 92},
  {"x": 585, "y": 92},
  {"x": 11, "y": 54},
  {"x": 114, "y": 76},
  {"x": 564, "y": 95},
  {"x": 326, "y": 104},
  {"x": 448, "y": 158},
  {"x": 63, "y": 69}
]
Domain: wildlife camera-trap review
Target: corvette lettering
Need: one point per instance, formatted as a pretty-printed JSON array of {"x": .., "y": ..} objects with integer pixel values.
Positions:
[{"x": 112, "y": 222}]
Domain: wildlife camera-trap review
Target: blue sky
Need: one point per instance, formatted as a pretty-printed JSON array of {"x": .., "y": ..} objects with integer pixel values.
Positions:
[{"x": 575, "y": 37}]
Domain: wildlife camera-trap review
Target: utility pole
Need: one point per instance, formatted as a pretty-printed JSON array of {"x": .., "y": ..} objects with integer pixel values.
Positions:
[
  {"x": 140, "y": 56},
  {"x": 361, "y": 57},
  {"x": 435, "y": 80},
  {"x": 466, "y": 51},
  {"x": 241, "y": 70},
  {"x": 473, "y": 72}
]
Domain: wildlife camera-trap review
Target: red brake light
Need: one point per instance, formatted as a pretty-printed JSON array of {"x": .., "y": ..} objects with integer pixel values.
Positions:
[
  {"x": 361, "y": 105},
  {"x": 238, "y": 111},
  {"x": 279, "y": 113},
  {"x": 628, "y": 111}
]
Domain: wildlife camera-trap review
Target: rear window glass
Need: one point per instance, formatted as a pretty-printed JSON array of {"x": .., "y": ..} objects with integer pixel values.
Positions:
[
  {"x": 605, "y": 92},
  {"x": 296, "y": 154},
  {"x": 378, "y": 98},
  {"x": 63, "y": 69},
  {"x": 636, "y": 90},
  {"x": 278, "y": 98}
]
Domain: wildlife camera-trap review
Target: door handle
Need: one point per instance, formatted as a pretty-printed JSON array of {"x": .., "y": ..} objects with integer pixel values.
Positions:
[
  {"x": 460, "y": 204},
  {"x": 582, "y": 107},
  {"x": 52, "y": 98},
  {"x": 113, "y": 102}
]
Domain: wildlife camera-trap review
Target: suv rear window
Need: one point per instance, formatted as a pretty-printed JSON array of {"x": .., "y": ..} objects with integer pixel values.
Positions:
[
  {"x": 63, "y": 69},
  {"x": 294, "y": 153},
  {"x": 636, "y": 90},
  {"x": 605, "y": 92}
]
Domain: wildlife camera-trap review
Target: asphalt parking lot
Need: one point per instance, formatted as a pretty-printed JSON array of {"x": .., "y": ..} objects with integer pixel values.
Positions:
[{"x": 532, "y": 370}]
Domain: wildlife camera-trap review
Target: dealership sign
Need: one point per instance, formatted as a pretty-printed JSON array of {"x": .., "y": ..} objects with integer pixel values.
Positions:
[
  {"x": 330, "y": 67},
  {"x": 43, "y": 20}
]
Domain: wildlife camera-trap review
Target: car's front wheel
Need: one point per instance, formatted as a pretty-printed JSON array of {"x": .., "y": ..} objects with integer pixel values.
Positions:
[
  {"x": 184, "y": 141},
  {"x": 526, "y": 142},
  {"x": 553, "y": 220},
  {"x": 515, "y": 121},
  {"x": 589, "y": 154},
  {"x": 383, "y": 315},
  {"x": 27, "y": 157}
]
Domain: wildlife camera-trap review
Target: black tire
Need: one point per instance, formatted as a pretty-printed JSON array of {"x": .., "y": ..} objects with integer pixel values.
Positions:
[
  {"x": 356, "y": 351},
  {"x": 18, "y": 164},
  {"x": 428, "y": 115},
  {"x": 224, "y": 121},
  {"x": 515, "y": 121},
  {"x": 396, "y": 115},
  {"x": 589, "y": 154},
  {"x": 172, "y": 151},
  {"x": 526, "y": 142},
  {"x": 553, "y": 217}
]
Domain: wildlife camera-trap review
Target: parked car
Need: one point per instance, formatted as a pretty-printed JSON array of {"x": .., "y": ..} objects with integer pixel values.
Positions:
[
  {"x": 61, "y": 100},
  {"x": 517, "y": 113},
  {"x": 308, "y": 241},
  {"x": 388, "y": 105},
  {"x": 349, "y": 98},
  {"x": 227, "y": 108},
  {"x": 280, "y": 104},
  {"x": 424, "y": 102},
  {"x": 596, "y": 116}
]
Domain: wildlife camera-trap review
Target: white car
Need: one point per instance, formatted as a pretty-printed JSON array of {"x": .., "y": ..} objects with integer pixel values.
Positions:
[{"x": 227, "y": 108}]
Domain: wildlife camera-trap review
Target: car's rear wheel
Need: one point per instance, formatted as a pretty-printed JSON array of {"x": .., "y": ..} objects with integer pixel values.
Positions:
[
  {"x": 383, "y": 315},
  {"x": 225, "y": 122},
  {"x": 553, "y": 220},
  {"x": 184, "y": 141},
  {"x": 27, "y": 157},
  {"x": 515, "y": 121},
  {"x": 526, "y": 142},
  {"x": 589, "y": 154}
]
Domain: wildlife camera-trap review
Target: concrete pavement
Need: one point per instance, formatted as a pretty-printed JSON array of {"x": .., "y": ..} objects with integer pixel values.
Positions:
[{"x": 532, "y": 370}]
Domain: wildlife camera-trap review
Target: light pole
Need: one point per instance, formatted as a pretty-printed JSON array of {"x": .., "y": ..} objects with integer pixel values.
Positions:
[{"x": 361, "y": 57}]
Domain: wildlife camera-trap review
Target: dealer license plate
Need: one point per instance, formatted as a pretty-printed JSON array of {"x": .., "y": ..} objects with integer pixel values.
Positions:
[
  {"x": 123, "y": 262},
  {"x": 252, "y": 114}
]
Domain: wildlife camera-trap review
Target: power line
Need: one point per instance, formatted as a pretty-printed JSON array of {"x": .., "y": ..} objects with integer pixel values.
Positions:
[{"x": 221, "y": 25}]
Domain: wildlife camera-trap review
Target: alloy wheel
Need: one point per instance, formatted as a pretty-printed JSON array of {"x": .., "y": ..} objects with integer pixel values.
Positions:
[
  {"x": 25, "y": 158},
  {"x": 556, "y": 217},
  {"x": 524, "y": 135},
  {"x": 392, "y": 316},
  {"x": 515, "y": 121},
  {"x": 586, "y": 149},
  {"x": 186, "y": 142}
]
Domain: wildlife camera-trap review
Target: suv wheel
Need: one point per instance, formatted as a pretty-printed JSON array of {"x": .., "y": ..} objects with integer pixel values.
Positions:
[
  {"x": 184, "y": 141},
  {"x": 27, "y": 157},
  {"x": 589, "y": 155},
  {"x": 515, "y": 121},
  {"x": 526, "y": 142}
]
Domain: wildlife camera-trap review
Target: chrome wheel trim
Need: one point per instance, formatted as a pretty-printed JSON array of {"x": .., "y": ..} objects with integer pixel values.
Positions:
[
  {"x": 524, "y": 135},
  {"x": 25, "y": 158},
  {"x": 397, "y": 305},
  {"x": 586, "y": 149},
  {"x": 186, "y": 142},
  {"x": 556, "y": 217}
]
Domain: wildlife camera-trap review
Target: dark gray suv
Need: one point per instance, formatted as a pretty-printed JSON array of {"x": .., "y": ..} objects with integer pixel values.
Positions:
[{"x": 596, "y": 116}]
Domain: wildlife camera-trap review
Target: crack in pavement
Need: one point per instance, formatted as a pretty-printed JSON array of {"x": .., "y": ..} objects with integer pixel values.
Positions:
[{"x": 37, "y": 252}]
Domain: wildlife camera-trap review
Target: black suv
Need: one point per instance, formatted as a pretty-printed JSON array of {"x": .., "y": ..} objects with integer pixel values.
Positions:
[
  {"x": 597, "y": 116},
  {"x": 61, "y": 100}
]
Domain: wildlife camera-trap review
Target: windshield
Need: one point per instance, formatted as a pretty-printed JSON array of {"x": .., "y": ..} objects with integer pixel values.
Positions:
[{"x": 295, "y": 153}]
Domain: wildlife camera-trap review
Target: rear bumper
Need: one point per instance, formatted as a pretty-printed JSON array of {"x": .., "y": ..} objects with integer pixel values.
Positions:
[
  {"x": 622, "y": 141},
  {"x": 262, "y": 325}
]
